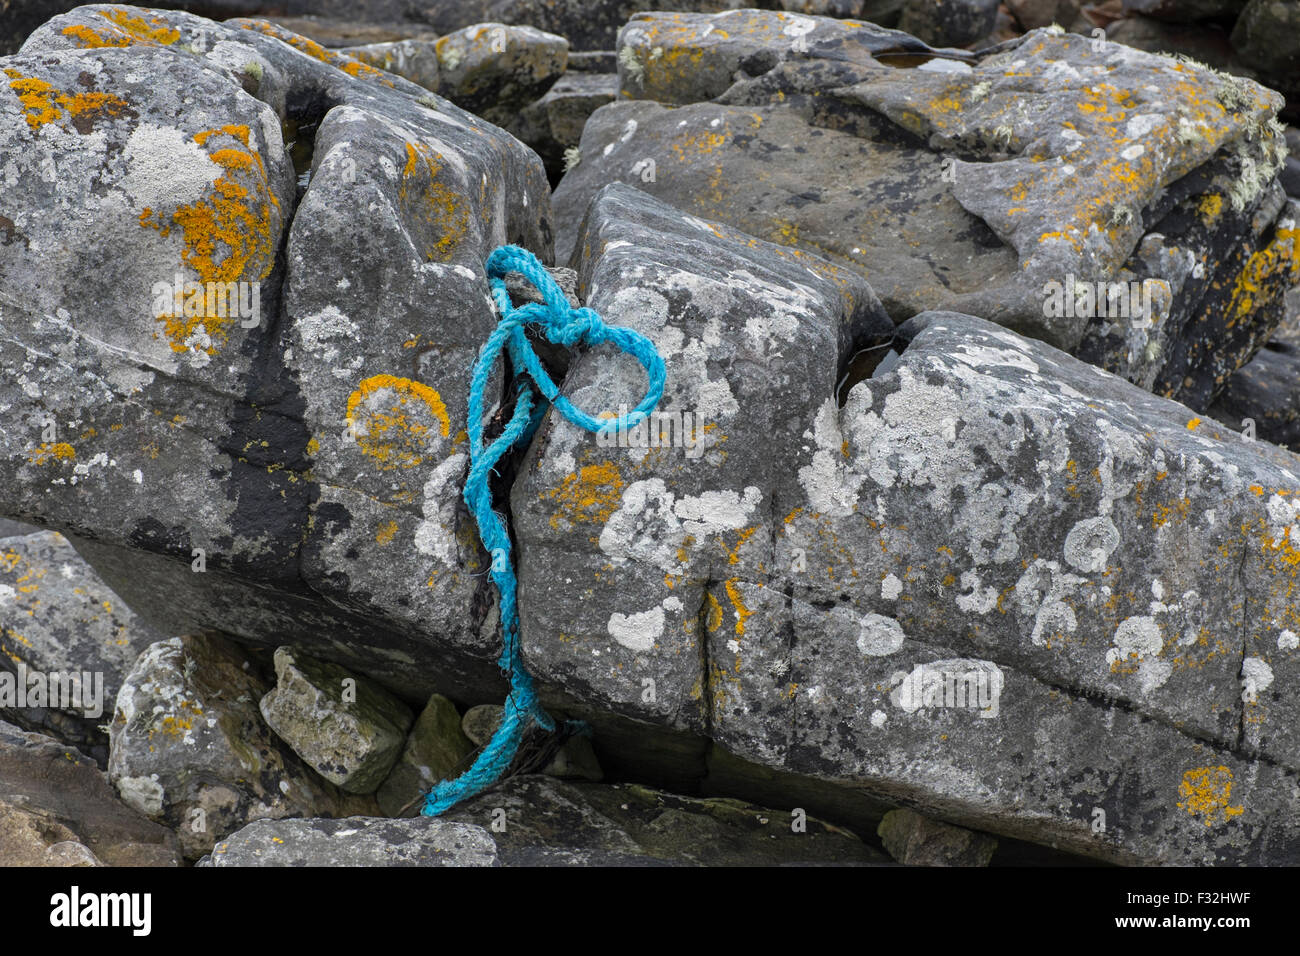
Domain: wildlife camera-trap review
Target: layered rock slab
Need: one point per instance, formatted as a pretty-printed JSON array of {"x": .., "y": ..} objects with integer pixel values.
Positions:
[
  {"x": 1141, "y": 188},
  {"x": 1106, "y": 576}
]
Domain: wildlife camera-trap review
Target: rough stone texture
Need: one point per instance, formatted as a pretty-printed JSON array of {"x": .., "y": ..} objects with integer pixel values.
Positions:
[
  {"x": 554, "y": 123},
  {"x": 490, "y": 69},
  {"x": 919, "y": 841},
  {"x": 949, "y": 22},
  {"x": 1033, "y": 14},
  {"x": 1267, "y": 36},
  {"x": 974, "y": 196},
  {"x": 14, "y": 529},
  {"x": 316, "y": 467},
  {"x": 1267, "y": 390},
  {"x": 1183, "y": 10},
  {"x": 189, "y": 748},
  {"x": 538, "y": 821},
  {"x": 1106, "y": 572},
  {"x": 436, "y": 749},
  {"x": 56, "y": 809},
  {"x": 356, "y": 841},
  {"x": 748, "y": 331},
  {"x": 347, "y": 728},
  {"x": 685, "y": 58},
  {"x": 59, "y": 620}
]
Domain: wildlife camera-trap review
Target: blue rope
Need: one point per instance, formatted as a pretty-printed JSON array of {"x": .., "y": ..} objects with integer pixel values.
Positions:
[{"x": 562, "y": 325}]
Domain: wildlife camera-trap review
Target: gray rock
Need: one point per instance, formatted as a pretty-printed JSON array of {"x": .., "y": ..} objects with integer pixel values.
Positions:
[
  {"x": 63, "y": 631},
  {"x": 436, "y": 750},
  {"x": 293, "y": 463},
  {"x": 347, "y": 728},
  {"x": 554, "y": 123},
  {"x": 56, "y": 809},
  {"x": 1033, "y": 14},
  {"x": 685, "y": 58},
  {"x": 573, "y": 759},
  {"x": 949, "y": 22},
  {"x": 1267, "y": 37},
  {"x": 1262, "y": 400},
  {"x": 481, "y": 722},
  {"x": 1184, "y": 10},
  {"x": 1171, "y": 219},
  {"x": 1094, "y": 563},
  {"x": 538, "y": 821},
  {"x": 189, "y": 748},
  {"x": 355, "y": 841},
  {"x": 916, "y": 840},
  {"x": 13, "y": 529}
]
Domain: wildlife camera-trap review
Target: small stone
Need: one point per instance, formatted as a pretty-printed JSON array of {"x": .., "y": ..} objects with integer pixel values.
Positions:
[
  {"x": 919, "y": 841},
  {"x": 436, "y": 749},
  {"x": 347, "y": 728},
  {"x": 481, "y": 722}
]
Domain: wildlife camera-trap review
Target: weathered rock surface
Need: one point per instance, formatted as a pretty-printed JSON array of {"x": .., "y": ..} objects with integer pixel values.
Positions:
[
  {"x": 189, "y": 748},
  {"x": 356, "y": 841},
  {"x": 974, "y": 196},
  {"x": 1184, "y": 10},
  {"x": 309, "y": 470},
  {"x": 436, "y": 749},
  {"x": 1262, "y": 400},
  {"x": 919, "y": 841},
  {"x": 62, "y": 631},
  {"x": 490, "y": 69},
  {"x": 347, "y": 728},
  {"x": 1267, "y": 36},
  {"x": 1110, "y": 573},
  {"x": 553, "y": 124},
  {"x": 538, "y": 821},
  {"x": 948, "y": 22},
  {"x": 56, "y": 809}
]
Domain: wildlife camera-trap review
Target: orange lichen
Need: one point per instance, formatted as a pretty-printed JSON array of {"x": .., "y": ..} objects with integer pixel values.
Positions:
[
  {"x": 43, "y": 103},
  {"x": 1206, "y": 793},
  {"x": 227, "y": 234},
  {"x": 590, "y": 495},
  {"x": 440, "y": 204},
  {"x": 397, "y": 429}
]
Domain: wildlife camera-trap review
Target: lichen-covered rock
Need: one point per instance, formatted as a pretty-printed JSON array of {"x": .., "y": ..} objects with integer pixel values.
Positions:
[
  {"x": 189, "y": 748},
  {"x": 490, "y": 69},
  {"x": 949, "y": 22},
  {"x": 65, "y": 634},
  {"x": 990, "y": 556},
  {"x": 749, "y": 331},
  {"x": 347, "y": 728},
  {"x": 916, "y": 840},
  {"x": 539, "y": 821},
  {"x": 1262, "y": 400},
  {"x": 56, "y": 809},
  {"x": 285, "y": 476},
  {"x": 686, "y": 58},
  {"x": 553, "y": 124},
  {"x": 1155, "y": 213},
  {"x": 356, "y": 841},
  {"x": 436, "y": 749}
]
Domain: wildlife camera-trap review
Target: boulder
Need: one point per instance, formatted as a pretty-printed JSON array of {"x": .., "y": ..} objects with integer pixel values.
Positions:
[
  {"x": 948, "y": 22},
  {"x": 988, "y": 555},
  {"x": 56, "y": 809},
  {"x": 189, "y": 748},
  {"x": 1149, "y": 237},
  {"x": 356, "y": 841},
  {"x": 288, "y": 472},
  {"x": 539, "y": 821}
]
